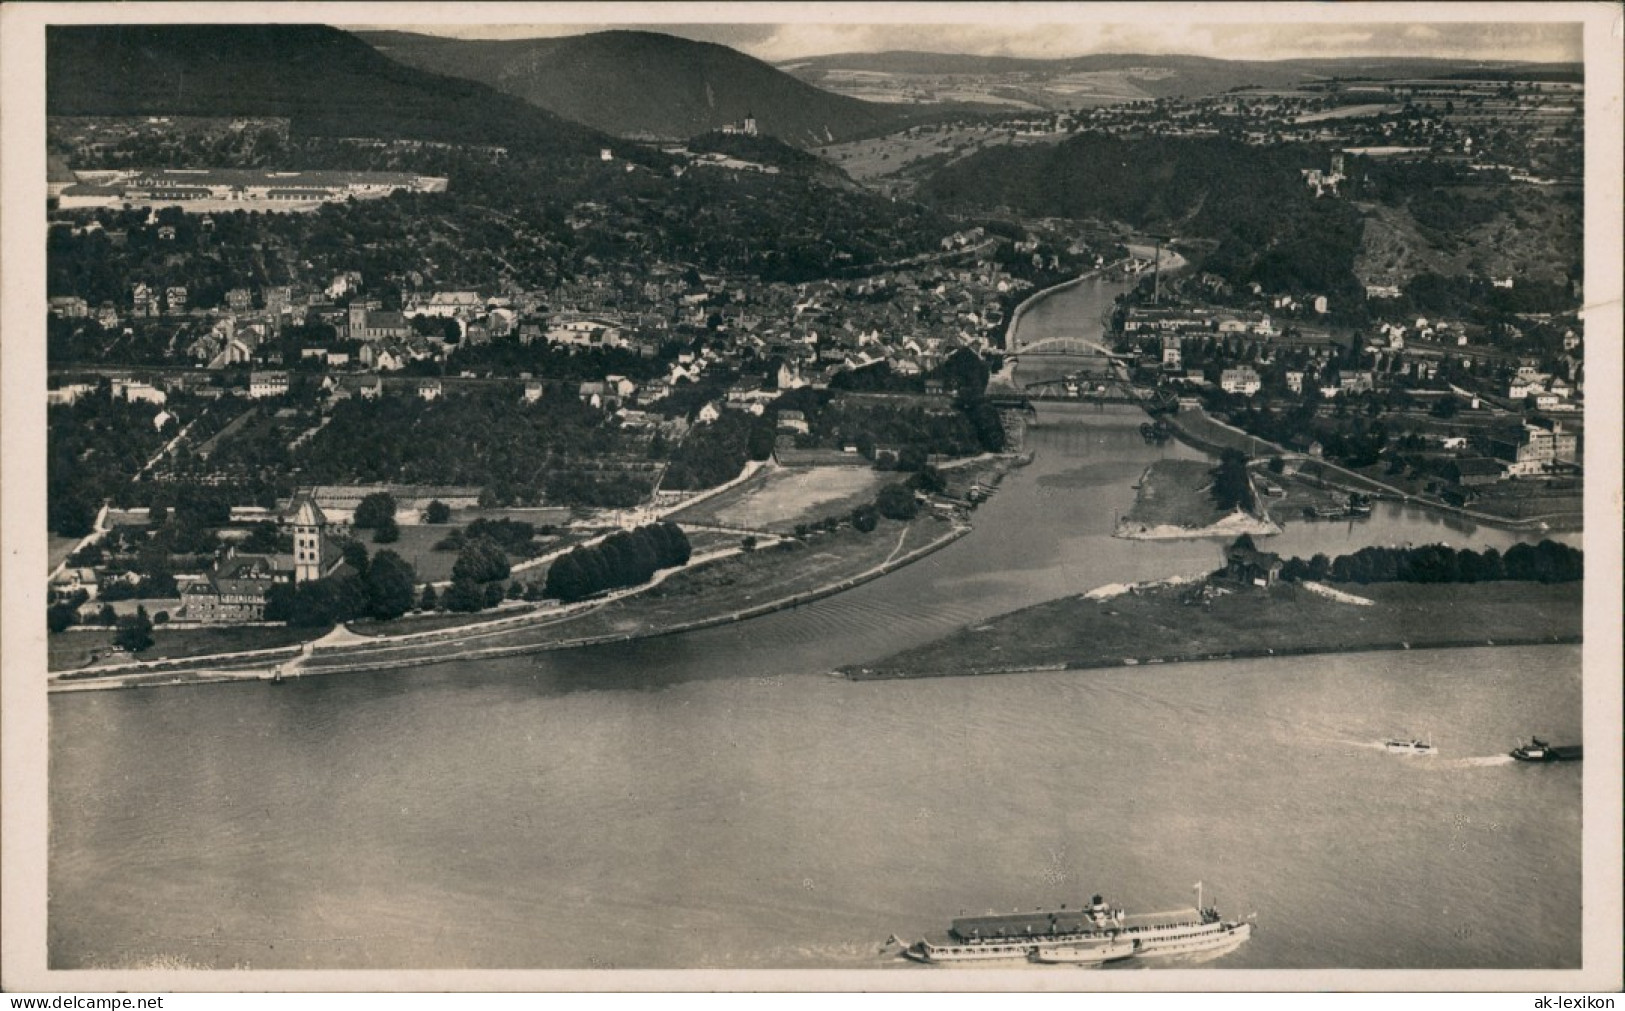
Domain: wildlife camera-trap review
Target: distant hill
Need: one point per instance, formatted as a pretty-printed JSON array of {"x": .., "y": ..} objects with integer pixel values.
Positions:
[
  {"x": 328, "y": 82},
  {"x": 905, "y": 76},
  {"x": 644, "y": 84}
]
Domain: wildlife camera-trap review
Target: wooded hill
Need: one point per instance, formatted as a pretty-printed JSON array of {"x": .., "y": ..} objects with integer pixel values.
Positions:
[
  {"x": 1268, "y": 225},
  {"x": 328, "y": 82},
  {"x": 643, "y": 84}
]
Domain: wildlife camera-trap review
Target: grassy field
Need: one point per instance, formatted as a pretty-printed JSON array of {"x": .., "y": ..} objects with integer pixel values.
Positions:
[
  {"x": 417, "y": 547},
  {"x": 787, "y": 496},
  {"x": 880, "y": 156},
  {"x": 1158, "y": 623},
  {"x": 75, "y": 650},
  {"x": 701, "y": 541},
  {"x": 1177, "y": 493},
  {"x": 1203, "y": 429}
]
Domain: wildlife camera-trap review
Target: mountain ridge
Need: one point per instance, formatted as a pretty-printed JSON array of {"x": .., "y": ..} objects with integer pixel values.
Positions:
[{"x": 326, "y": 81}]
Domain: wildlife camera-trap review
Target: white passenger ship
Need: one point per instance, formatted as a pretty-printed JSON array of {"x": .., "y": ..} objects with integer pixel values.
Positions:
[{"x": 1097, "y": 934}]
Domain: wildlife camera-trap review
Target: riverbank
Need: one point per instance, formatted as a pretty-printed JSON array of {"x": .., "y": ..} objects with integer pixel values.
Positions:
[
  {"x": 1176, "y": 622},
  {"x": 720, "y": 587},
  {"x": 687, "y": 602},
  {"x": 1199, "y": 430},
  {"x": 656, "y": 611},
  {"x": 1171, "y": 261}
]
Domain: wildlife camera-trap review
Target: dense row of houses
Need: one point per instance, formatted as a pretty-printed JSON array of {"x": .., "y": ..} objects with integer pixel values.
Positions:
[{"x": 910, "y": 318}]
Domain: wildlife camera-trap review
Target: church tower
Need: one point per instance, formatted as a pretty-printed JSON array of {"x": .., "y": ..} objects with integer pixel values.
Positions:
[
  {"x": 358, "y": 320},
  {"x": 308, "y": 523}
]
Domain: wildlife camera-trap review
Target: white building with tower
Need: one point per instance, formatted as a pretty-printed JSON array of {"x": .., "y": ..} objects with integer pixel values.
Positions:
[{"x": 308, "y": 523}]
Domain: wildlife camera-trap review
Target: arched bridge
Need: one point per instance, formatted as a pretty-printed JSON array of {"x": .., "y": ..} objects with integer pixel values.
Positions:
[{"x": 1063, "y": 346}]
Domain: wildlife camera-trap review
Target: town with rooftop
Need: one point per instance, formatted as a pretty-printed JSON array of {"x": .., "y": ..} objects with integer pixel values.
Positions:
[{"x": 278, "y": 354}]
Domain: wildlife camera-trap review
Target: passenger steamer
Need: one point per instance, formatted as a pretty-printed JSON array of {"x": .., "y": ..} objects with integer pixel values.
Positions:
[{"x": 1095, "y": 935}]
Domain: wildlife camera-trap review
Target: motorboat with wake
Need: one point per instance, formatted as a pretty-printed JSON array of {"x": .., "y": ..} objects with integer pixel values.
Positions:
[
  {"x": 1538, "y": 750},
  {"x": 1410, "y": 746}
]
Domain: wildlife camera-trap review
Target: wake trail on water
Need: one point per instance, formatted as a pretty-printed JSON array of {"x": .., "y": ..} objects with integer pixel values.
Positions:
[
  {"x": 1434, "y": 761},
  {"x": 1469, "y": 762},
  {"x": 1479, "y": 762},
  {"x": 1294, "y": 729},
  {"x": 1371, "y": 745}
]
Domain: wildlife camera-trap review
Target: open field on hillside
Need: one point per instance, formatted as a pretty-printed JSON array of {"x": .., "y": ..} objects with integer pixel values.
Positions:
[{"x": 875, "y": 157}]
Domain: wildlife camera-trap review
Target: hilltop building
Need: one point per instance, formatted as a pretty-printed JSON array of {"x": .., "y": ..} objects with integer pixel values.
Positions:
[
  {"x": 1321, "y": 181},
  {"x": 745, "y": 127}
]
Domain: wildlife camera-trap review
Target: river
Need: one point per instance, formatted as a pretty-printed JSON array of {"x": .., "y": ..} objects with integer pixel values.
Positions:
[{"x": 717, "y": 799}]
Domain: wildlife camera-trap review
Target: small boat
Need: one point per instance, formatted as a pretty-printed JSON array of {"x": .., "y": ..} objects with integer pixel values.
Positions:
[
  {"x": 1538, "y": 750},
  {"x": 1413, "y": 746}
]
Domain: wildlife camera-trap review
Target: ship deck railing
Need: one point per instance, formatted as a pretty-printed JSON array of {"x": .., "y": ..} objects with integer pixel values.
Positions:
[{"x": 1075, "y": 928}]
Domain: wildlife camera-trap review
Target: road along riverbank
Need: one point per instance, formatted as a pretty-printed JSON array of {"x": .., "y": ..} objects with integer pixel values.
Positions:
[{"x": 1183, "y": 621}]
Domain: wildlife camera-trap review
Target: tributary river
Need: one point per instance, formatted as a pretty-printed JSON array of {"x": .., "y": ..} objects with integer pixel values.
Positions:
[{"x": 717, "y": 799}]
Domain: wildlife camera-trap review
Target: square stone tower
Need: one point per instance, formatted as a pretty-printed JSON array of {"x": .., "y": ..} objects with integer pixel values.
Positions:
[{"x": 308, "y": 525}]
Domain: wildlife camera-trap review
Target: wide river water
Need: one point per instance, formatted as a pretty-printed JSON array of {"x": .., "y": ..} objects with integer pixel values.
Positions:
[{"x": 717, "y": 799}]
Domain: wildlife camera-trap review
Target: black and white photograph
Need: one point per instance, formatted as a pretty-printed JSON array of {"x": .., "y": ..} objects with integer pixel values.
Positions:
[{"x": 783, "y": 496}]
